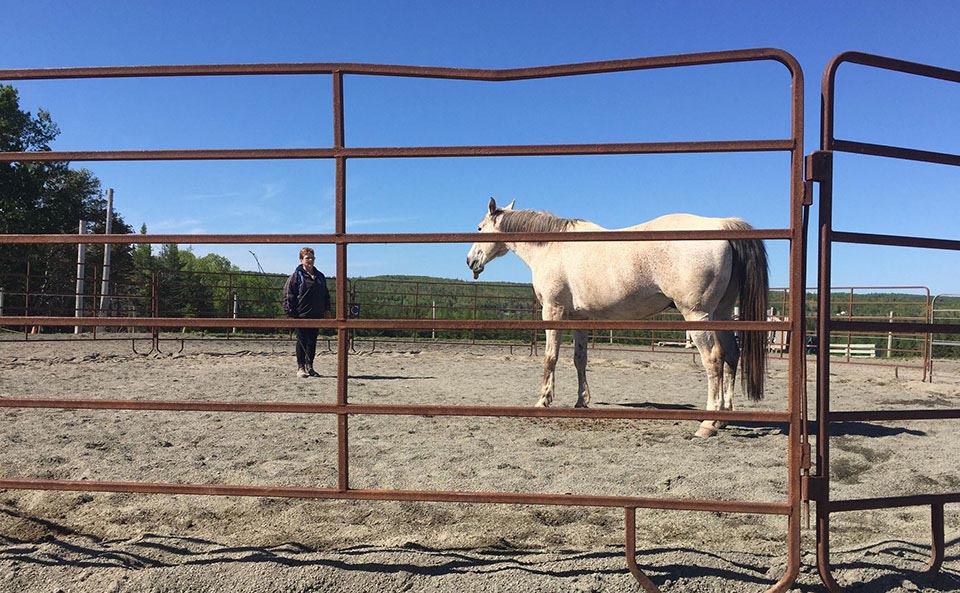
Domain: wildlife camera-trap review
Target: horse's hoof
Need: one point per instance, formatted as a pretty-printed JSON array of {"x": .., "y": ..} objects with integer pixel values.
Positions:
[
  {"x": 705, "y": 432},
  {"x": 581, "y": 404},
  {"x": 542, "y": 404}
]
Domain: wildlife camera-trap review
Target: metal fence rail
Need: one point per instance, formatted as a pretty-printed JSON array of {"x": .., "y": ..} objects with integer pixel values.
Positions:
[
  {"x": 820, "y": 170},
  {"x": 343, "y": 324},
  {"x": 254, "y": 295}
]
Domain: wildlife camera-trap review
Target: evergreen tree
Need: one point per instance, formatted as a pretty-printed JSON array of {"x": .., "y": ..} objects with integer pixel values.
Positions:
[{"x": 47, "y": 198}]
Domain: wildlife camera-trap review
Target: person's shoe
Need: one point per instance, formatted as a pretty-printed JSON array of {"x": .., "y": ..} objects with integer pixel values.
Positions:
[
  {"x": 311, "y": 372},
  {"x": 302, "y": 373}
]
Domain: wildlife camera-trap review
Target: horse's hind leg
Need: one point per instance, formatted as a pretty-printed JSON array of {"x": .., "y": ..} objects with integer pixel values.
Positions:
[
  {"x": 731, "y": 359},
  {"x": 711, "y": 353},
  {"x": 580, "y": 337},
  {"x": 729, "y": 349}
]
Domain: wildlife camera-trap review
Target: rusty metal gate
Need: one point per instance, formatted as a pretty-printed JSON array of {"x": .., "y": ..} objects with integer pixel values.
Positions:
[
  {"x": 820, "y": 170},
  {"x": 797, "y": 454}
]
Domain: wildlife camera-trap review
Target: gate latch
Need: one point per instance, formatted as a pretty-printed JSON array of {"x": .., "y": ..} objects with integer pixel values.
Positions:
[
  {"x": 818, "y": 168},
  {"x": 813, "y": 488}
]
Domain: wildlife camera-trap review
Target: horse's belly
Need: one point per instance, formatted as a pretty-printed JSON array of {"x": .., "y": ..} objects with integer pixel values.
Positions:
[{"x": 617, "y": 304}]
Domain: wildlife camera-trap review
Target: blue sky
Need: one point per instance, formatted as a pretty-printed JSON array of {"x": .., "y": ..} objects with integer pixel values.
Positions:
[{"x": 729, "y": 102}]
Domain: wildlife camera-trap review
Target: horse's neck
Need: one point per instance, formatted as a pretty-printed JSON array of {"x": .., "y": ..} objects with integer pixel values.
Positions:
[
  {"x": 537, "y": 254},
  {"x": 529, "y": 253}
]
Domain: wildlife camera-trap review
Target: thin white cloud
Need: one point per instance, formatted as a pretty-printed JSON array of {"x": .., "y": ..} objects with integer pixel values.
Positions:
[
  {"x": 269, "y": 191},
  {"x": 214, "y": 195},
  {"x": 351, "y": 222},
  {"x": 186, "y": 226}
]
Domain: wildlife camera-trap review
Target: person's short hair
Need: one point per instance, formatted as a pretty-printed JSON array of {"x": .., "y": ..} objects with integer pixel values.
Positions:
[{"x": 306, "y": 251}]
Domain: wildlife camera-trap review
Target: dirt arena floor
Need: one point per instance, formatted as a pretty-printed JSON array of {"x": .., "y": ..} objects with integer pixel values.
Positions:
[{"x": 108, "y": 542}]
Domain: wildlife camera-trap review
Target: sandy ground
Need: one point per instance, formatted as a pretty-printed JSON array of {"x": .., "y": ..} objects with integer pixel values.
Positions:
[{"x": 107, "y": 542}]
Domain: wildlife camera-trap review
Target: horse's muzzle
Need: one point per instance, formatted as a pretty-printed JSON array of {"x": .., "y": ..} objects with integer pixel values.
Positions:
[{"x": 475, "y": 264}]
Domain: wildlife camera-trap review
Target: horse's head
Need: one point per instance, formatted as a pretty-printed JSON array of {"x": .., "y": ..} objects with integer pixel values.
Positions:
[{"x": 481, "y": 253}]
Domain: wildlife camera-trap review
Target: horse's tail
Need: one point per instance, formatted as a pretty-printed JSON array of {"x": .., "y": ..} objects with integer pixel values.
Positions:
[{"x": 750, "y": 273}]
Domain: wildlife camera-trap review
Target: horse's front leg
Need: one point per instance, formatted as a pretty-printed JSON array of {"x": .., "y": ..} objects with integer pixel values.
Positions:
[
  {"x": 550, "y": 356},
  {"x": 580, "y": 337}
]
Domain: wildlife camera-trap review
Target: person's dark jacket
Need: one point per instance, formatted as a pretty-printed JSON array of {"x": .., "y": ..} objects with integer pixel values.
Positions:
[{"x": 305, "y": 297}]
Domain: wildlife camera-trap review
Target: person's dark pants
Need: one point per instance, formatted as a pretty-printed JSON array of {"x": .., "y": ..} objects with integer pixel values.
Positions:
[{"x": 306, "y": 345}]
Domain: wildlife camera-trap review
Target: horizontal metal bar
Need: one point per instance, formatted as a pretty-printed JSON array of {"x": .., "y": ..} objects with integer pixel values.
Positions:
[
  {"x": 894, "y": 240},
  {"x": 865, "y": 504},
  {"x": 900, "y": 327},
  {"x": 512, "y": 74},
  {"x": 388, "y": 238},
  {"x": 609, "y": 413},
  {"x": 723, "y": 506},
  {"x": 411, "y": 324},
  {"x": 888, "y": 415},
  {"x": 215, "y": 154},
  {"x": 573, "y": 149},
  {"x": 898, "y": 65},
  {"x": 895, "y": 152},
  {"x": 402, "y": 152}
]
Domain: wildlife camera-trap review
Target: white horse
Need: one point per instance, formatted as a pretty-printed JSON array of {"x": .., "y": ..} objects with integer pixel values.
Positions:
[{"x": 637, "y": 279}]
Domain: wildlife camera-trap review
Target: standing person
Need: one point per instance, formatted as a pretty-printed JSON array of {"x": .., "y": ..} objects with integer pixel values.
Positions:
[{"x": 305, "y": 296}]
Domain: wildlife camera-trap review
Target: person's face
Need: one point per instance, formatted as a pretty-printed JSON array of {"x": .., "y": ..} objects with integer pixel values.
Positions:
[{"x": 307, "y": 261}]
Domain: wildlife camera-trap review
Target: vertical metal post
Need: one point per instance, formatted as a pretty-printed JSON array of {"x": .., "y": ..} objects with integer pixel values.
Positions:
[
  {"x": 824, "y": 328},
  {"x": 155, "y": 308},
  {"x": 343, "y": 337},
  {"x": 630, "y": 528},
  {"x": 416, "y": 308},
  {"x": 26, "y": 299},
  {"x": 476, "y": 310},
  {"x": 928, "y": 342},
  {"x": 937, "y": 539},
  {"x": 890, "y": 338},
  {"x": 797, "y": 359},
  {"x": 94, "y": 299},
  {"x": 105, "y": 280},
  {"x": 81, "y": 267}
]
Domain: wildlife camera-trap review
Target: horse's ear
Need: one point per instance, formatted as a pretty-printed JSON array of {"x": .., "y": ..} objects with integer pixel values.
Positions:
[
  {"x": 510, "y": 205},
  {"x": 492, "y": 206}
]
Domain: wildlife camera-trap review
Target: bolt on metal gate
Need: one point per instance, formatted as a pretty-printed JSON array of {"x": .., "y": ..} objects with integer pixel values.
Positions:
[
  {"x": 797, "y": 454},
  {"x": 820, "y": 170}
]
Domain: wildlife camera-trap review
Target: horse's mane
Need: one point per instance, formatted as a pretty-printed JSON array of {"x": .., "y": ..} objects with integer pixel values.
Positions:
[{"x": 533, "y": 221}]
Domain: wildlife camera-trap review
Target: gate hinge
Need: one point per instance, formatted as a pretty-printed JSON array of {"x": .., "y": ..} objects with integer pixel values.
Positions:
[
  {"x": 805, "y": 456},
  {"x": 813, "y": 488},
  {"x": 808, "y": 193}
]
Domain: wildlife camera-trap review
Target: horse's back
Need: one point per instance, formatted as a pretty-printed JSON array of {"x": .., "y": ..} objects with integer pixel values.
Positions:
[
  {"x": 629, "y": 279},
  {"x": 682, "y": 221},
  {"x": 634, "y": 279}
]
